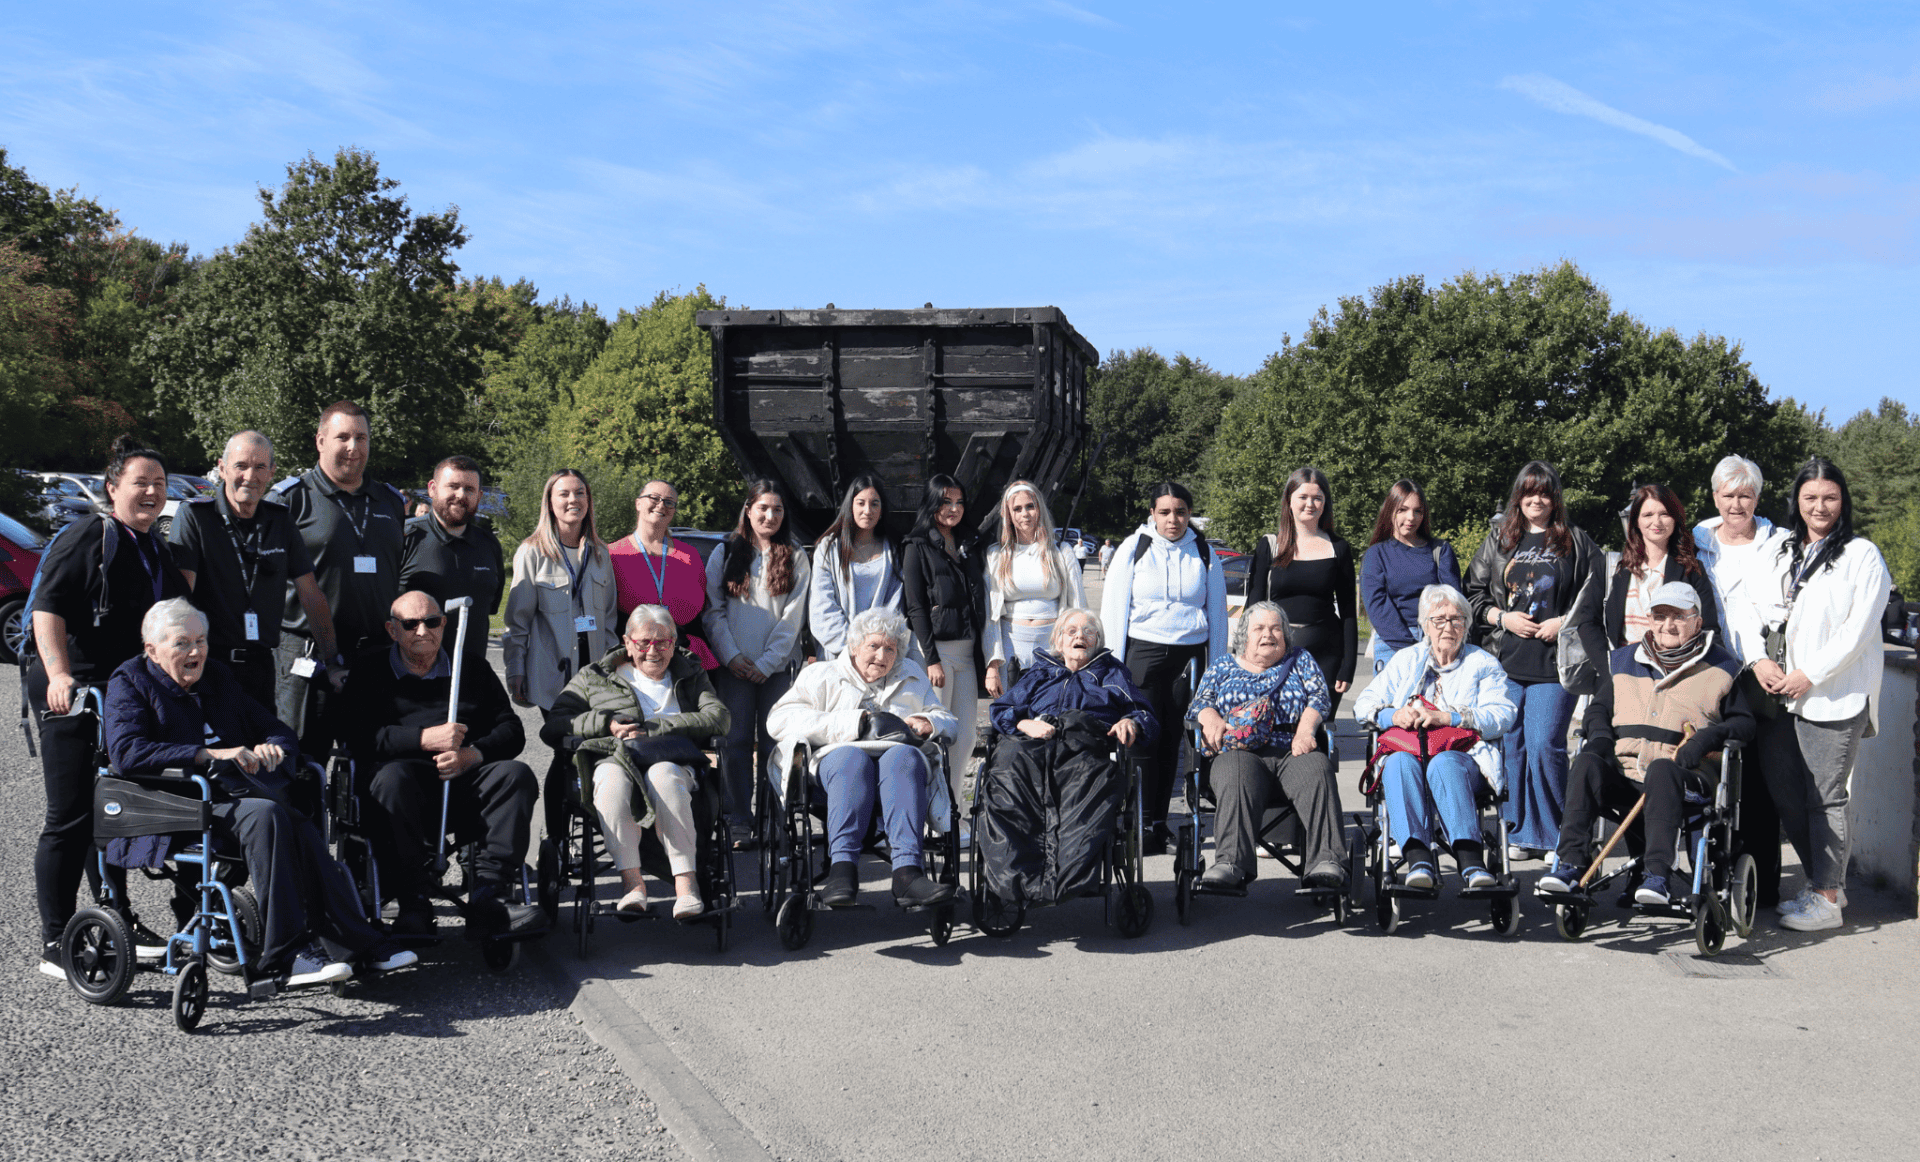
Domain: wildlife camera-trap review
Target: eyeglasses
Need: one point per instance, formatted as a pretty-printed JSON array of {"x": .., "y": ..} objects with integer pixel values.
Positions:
[
  {"x": 657, "y": 501},
  {"x": 1672, "y": 615},
  {"x": 1446, "y": 622},
  {"x": 649, "y": 644},
  {"x": 410, "y": 624}
]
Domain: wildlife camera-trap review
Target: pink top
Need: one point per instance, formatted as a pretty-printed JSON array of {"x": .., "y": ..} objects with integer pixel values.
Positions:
[{"x": 686, "y": 595}]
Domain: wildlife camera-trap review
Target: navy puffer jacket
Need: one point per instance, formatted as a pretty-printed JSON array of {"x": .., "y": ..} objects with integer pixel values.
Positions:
[{"x": 1101, "y": 689}]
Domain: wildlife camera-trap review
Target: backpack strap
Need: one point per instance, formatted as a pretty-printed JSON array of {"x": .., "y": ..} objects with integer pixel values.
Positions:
[{"x": 1142, "y": 543}]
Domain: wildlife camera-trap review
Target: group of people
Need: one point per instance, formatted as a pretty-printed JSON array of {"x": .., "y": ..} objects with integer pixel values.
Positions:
[{"x": 320, "y": 596}]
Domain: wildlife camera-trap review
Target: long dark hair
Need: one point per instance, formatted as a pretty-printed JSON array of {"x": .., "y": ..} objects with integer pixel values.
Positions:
[
  {"x": 1402, "y": 491},
  {"x": 842, "y": 529},
  {"x": 1818, "y": 468},
  {"x": 926, "y": 522},
  {"x": 1169, "y": 488},
  {"x": 1679, "y": 547},
  {"x": 1538, "y": 479},
  {"x": 125, "y": 448},
  {"x": 736, "y": 570}
]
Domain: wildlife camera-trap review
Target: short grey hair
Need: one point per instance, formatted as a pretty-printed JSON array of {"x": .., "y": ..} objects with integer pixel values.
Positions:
[
  {"x": 1237, "y": 637},
  {"x": 1434, "y": 595},
  {"x": 1736, "y": 471},
  {"x": 162, "y": 616},
  {"x": 645, "y": 615},
  {"x": 1060, "y": 625},
  {"x": 878, "y": 620},
  {"x": 246, "y": 437}
]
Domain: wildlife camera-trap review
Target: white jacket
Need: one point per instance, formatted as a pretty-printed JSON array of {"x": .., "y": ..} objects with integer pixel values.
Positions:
[
  {"x": 1833, "y": 633},
  {"x": 538, "y": 640},
  {"x": 1745, "y": 592},
  {"x": 1167, "y": 567},
  {"x": 997, "y": 639},
  {"x": 1474, "y": 682},
  {"x": 823, "y": 707},
  {"x": 764, "y": 627}
]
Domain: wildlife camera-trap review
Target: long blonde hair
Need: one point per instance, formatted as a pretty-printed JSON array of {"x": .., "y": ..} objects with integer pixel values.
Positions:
[
  {"x": 545, "y": 538},
  {"x": 1010, "y": 540}
]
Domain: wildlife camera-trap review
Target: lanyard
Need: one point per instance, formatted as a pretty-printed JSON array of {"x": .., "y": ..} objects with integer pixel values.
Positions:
[
  {"x": 359, "y": 527},
  {"x": 150, "y": 564},
  {"x": 646, "y": 558},
  {"x": 247, "y": 575}
]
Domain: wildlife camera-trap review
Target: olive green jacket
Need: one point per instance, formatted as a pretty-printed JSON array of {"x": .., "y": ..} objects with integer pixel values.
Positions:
[{"x": 587, "y": 706}]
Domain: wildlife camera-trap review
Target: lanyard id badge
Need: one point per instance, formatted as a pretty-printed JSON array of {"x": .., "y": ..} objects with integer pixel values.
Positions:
[
  {"x": 585, "y": 623},
  {"x": 252, "y": 621},
  {"x": 363, "y": 563}
]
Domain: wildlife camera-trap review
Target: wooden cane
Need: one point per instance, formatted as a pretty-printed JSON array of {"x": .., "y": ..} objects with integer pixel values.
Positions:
[{"x": 1613, "y": 839}]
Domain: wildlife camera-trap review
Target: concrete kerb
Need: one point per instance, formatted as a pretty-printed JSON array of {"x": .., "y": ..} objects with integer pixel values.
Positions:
[{"x": 696, "y": 1119}]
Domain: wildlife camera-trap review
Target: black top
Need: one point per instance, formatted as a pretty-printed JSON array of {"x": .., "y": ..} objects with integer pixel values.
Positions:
[
  {"x": 71, "y": 584},
  {"x": 1616, "y": 610},
  {"x": 1319, "y": 596},
  {"x": 1539, "y": 583},
  {"x": 444, "y": 566},
  {"x": 382, "y": 713},
  {"x": 337, "y": 527},
  {"x": 941, "y": 596},
  {"x": 223, "y": 552}
]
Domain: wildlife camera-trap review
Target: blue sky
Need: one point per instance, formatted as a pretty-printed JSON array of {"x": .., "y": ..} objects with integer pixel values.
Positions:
[{"x": 1197, "y": 178}]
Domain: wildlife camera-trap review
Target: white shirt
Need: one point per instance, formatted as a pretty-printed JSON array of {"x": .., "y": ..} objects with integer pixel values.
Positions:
[{"x": 657, "y": 699}]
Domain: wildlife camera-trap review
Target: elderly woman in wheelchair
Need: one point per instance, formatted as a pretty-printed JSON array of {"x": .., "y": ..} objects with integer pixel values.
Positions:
[
  {"x": 1052, "y": 770},
  {"x": 1258, "y": 711},
  {"x": 866, "y": 716},
  {"x": 1456, "y": 700},
  {"x": 641, "y": 714},
  {"x": 176, "y": 708}
]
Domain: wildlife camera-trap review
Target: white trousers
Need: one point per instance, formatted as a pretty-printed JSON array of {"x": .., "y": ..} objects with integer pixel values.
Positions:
[
  {"x": 961, "y": 697},
  {"x": 672, "y": 787}
]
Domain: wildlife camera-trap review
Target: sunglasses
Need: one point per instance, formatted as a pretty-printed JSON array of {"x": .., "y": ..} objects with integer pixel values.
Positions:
[{"x": 410, "y": 624}]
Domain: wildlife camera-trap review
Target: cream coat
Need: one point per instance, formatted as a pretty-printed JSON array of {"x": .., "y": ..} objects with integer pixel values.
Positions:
[
  {"x": 1833, "y": 633},
  {"x": 822, "y": 709},
  {"x": 538, "y": 640}
]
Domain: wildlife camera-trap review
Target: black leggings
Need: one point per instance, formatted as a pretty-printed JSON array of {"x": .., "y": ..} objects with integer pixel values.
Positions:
[
  {"x": 1160, "y": 672},
  {"x": 65, "y": 851}
]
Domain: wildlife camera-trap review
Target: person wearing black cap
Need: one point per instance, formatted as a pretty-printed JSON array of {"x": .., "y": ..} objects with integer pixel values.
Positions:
[
  {"x": 239, "y": 556},
  {"x": 352, "y": 525},
  {"x": 453, "y": 552}
]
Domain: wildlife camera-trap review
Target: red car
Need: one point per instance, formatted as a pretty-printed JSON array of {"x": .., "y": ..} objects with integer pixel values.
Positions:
[{"x": 19, "y": 557}]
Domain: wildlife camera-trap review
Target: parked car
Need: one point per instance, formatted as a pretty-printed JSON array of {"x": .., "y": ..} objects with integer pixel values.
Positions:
[
  {"x": 68, "y": 496},
  {"x": 1223, "y": 550},
  {"x": 200, "y": 485},
  {"x": 20, "y": 550},
  {"x": 1236, "y": 568},
  {"x": 705, "y": 541}
]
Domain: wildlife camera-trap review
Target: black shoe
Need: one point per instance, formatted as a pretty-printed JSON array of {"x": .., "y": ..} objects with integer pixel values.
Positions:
[
  {"x": 50, "y": 962},
  {"x": 148, "y": 945},
  {"x": 492, "y": 911},
  {"x": 842, "y": 886},
  {"x": 415, "y": 918},
  {"x": 914, "y": 888},
  {"x": 1223, "y": 876},
  {"x": 1154, "y": 840},
  {"x": 1327, "y": 875}
]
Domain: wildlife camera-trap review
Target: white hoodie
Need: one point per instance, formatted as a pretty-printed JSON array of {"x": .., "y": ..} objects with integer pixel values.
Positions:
[{"x": 1165, "y": 597}]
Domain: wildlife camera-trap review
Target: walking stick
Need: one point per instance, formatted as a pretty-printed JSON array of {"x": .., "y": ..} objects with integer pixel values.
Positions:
[
  {"x": 462, "y": 605},
  {"x": 1613, "y": 839}
]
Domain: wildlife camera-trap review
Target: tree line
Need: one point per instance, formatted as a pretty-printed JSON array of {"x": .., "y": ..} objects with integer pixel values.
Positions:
[{"x": 341, "y": 290}]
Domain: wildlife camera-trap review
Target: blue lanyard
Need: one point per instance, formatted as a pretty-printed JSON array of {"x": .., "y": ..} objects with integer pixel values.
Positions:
[
  {"x": 659, "y": 576},
  {"x": 152, "y": 566},
  {"x": 573, "y": 575}
]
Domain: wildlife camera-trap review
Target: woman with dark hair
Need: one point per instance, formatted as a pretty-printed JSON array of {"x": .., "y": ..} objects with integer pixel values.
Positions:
[
  {"x": 1658, "y": 551},
  {"x": 1403, "y": 558},
  {"x": 855, "y": 567},
  {"x": 1308, "y": 572},
  {"x": 756, "y": 601},
  {"x": 1163, "y": 605},
  {"x": 942, "y": 603},
  {"x": 651, "y": 568},
  {"x": 97, "y": 579},
  {"x": 1535, "y": 588},
  {"x": 1824, "y": 665}
]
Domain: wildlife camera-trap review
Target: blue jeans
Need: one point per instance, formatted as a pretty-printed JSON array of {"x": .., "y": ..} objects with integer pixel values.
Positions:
[
  {"x": 1446, "y": 789},
  {"x": 748, "y": 742},
  {"x": 852, "y": 780},
  {"x": 1382, "y": 653},
  {"x": 1535, "y": 754}
]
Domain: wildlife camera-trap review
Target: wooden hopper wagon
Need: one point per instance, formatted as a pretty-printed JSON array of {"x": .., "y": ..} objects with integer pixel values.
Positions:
[{"x": 813, "y": 399}]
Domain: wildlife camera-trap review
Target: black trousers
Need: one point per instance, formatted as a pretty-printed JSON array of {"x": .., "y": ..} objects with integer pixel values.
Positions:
[
  {"x": 299, "y": 702},
  {"x": 1759, "y": 834},
  {"x": 1596, "y": 784},
  {"x": 1159, "y": 671},
  {"x": 303, "y": 891},
  {"x": 493, "y": 802},
  {"x": 1247, "y": 783},
  {"x": 65, "y": 850}
]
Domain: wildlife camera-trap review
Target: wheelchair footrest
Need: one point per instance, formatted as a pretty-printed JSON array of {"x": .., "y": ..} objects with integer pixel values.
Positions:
[
  {"x": 706, "y": 913},
  {"x": 263, "y": 990},
  {"x": 1405, "y": 892},
  {"x": 1201, "y": 889},
  {"x": 1504, "y": 891}
]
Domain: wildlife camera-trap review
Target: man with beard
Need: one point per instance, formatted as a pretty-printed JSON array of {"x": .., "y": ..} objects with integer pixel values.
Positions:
[{"x": 451, "y": 552}]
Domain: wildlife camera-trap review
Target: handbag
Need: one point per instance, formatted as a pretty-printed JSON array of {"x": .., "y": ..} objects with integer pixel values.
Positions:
[
  {"x": 665, "y": 748},
  {"x": 1421, "y": 742}
]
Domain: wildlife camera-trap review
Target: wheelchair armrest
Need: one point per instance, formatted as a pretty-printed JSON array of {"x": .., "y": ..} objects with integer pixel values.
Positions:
[{"x": 168, "y": 774}]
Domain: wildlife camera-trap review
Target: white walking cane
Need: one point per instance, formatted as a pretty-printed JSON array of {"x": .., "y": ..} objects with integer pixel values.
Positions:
[{"x": 462, "y": 606}]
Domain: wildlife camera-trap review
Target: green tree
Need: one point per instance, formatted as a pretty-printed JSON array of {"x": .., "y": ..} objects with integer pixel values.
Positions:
[
  {"x": 341, "y": 292},
  {"x": 1456, "y": 387},
  {"x": 1880, "y": 453},
  {"x": 34, "y": 373},
  {"x": 1152, "y": 420},
  {"x": 525, "y": 388}
]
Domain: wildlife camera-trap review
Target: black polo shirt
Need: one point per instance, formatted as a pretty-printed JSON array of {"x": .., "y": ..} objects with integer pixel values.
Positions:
[
  {"x": 71, "y": 583},
  {"x": 444, "y": 566},
  {"x": 239, "y": 566},
  {"x": 339, "y": 526}
]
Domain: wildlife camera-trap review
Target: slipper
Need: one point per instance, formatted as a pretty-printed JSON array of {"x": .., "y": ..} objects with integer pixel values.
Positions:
[
  {"x": 634, "y": 902},
  {"x": 1479, "y": 878},
  {"x": 1420, "y": 875},
  {"x": 687, "y": 907}
]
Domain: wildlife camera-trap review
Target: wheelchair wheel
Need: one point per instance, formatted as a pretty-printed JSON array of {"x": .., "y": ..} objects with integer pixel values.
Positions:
[
  {"x": 1183, "y": 895},
  {"x": 996, "y": 917},
  {"x": 547, "y": 879},
  {"x": 1136, "y": 911},
  {"x": 190, "y": 995},
  {"x": 97, "y": 950},
  {"x": 500, "y": 955},
  {"x": 941, "y": 926},
  {"x": 1506, "y": 914},
  {"x": 1386, "y": 913},
  {"x": 1570, "y": 920},
  {"x": 1357, "y": 873},
  {"x": 794, "y": 922},
  {"x": 246, "y": 910},
  {"x": 1708, "y": 935},
  {"x": 1341, "y": 910},
  {"x": 722, "y": 930},
  {"x": 1743, "y": 896}
]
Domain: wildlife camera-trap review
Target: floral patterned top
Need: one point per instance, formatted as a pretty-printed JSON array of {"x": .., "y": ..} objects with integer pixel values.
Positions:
[{"x": 1262, "y": 708}]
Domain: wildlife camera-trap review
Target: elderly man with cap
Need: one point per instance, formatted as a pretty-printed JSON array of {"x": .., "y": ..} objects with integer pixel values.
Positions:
[
  {"x": 1655, "y": 727},
  {"x": 239, "y": 557}
]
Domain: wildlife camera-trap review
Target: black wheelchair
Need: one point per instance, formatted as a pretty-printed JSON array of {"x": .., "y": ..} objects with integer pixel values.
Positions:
[
  {"x": 1724, "y": 890},
  {"x": 793, "y": 856},
  {"x": 97, "y": 947},
  {"x": 1384, "y": 865},
  {"x": 1127, "y": 904},
  {"x": 577, "y": 860}
]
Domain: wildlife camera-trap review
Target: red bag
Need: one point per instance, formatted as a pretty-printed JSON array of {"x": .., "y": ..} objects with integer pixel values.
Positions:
[{"x": 1422, "y": 744}]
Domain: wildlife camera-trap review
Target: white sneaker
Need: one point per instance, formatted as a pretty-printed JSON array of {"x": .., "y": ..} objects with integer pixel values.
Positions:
[
  {"x": 1799, "y": 902},
  {"x": 1817, "y": 915},
  {"x": 1518, "y": 854}
]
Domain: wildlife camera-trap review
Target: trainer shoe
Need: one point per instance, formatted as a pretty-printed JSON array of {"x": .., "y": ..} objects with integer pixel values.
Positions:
[
  {"x": 148, "y": 945},
  {"x": 1799, "y": 902},
  {"x": 1817, "y": 915},
  {"x": 1652, "y": 892},
  {"x": 388, "y": 958},
  {"x": 1479, "y": 879},
  {"x": 50, "y": 962},
  {"x": 312, "y": 967},
  {"x": 1563, "y": 880},
  {"x": 1420, "y": 875}
]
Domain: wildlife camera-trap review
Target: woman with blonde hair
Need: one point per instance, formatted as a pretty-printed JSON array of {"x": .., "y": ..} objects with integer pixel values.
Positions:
[{"x": 1029, "y": 579}]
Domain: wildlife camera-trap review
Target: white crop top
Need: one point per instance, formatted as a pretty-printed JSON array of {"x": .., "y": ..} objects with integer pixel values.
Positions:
[{"x": 1033, "y": 592}]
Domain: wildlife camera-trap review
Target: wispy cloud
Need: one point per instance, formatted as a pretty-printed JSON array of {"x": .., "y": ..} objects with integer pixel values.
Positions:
[
  {"x": 1561, "y": 97},
  {"x": 1074, "y": 12}
]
